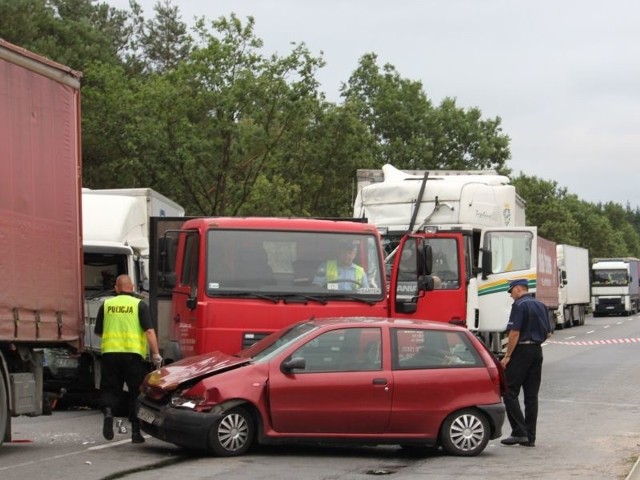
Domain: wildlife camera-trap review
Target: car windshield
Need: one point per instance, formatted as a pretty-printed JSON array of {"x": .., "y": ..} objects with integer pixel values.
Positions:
[{"x": 276, "y": 341}]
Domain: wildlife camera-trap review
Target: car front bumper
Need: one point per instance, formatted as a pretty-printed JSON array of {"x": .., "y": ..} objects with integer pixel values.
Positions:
[{"x": 179, "y": 426}]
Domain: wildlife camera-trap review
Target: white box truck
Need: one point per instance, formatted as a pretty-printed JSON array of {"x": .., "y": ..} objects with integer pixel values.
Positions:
[
  {"x": 574, "y": 289},
  {"x": 615, "y": 286},
  {"x": 115, "y": 226}
]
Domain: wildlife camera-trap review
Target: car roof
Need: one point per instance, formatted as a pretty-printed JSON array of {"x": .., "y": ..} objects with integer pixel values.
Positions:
[{"x": 391, "y": 322}]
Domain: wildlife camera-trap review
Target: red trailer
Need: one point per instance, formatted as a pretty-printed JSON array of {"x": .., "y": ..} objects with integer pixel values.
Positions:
[
  {"x": 548, "y": 282},
  {"x": 41, "y": 293}
]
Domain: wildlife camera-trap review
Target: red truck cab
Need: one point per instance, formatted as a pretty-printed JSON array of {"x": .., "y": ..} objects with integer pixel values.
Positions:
[{"x": 235, "y": 280}]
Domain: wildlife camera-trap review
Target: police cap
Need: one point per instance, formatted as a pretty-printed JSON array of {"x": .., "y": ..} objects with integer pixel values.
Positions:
[{"x": 520, "y": 281}]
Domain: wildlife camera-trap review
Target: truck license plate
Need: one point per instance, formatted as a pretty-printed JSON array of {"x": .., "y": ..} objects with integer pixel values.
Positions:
[
  {"x": 70, "y": 363},
  {"x": 145, "y": 415}
]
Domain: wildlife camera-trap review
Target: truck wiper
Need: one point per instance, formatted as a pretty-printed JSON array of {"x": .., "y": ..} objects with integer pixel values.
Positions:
[
  {"x": 336, "y": 296},
  {"x": 270, "y": 298},
  {"x": 290, "y": 298}
]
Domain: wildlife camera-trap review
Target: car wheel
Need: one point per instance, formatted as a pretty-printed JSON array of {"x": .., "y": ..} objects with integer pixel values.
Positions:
[
  {"x": 232, "y": 434},
  {"x": 465, "y": 433}
]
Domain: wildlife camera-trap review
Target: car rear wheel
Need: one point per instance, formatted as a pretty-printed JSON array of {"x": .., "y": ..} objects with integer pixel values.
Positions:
[
  {"x": 232, "y": 434},
  {"x": 465, "y": 433}
]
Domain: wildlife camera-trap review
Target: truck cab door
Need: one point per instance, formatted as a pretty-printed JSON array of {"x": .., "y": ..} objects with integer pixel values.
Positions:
[
  {"x": 505, "y": 254},
  {"x": 410, "y": 277},
  {"x": 163, "y": 239},
  {"x": 446, "y": 300}
]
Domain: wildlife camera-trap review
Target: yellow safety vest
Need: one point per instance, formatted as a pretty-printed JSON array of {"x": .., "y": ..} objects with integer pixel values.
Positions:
[
  {"x": 332, "y": 274},
  {"x": 122, "y": 331}
]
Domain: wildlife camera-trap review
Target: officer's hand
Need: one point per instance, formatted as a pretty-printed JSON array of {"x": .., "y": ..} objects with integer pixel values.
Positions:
[{"x": 156, "y": 358}]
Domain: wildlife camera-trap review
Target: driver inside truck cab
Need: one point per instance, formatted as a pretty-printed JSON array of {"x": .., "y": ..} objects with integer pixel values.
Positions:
[{"x": 342, "y": 273}]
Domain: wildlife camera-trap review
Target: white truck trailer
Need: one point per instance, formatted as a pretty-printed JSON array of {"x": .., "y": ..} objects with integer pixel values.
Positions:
[
  {"x": 574, "y": 289},
  {"x": 615, "y": 286},
  {"x": 115, "y": 226}
]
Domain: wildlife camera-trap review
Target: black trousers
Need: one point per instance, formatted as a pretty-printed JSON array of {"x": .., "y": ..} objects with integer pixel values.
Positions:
[
  {"x": 118, "y": 369},
  {"x": 524, "y": 371}
]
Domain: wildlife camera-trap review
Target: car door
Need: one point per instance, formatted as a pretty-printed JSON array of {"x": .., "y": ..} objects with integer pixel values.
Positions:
[
  {"x": 436, "y": 372},
  {"x": 342, "y": 389}
]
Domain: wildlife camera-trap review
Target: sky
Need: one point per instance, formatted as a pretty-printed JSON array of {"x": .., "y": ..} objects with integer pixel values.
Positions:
[{"x": 562, "y": 75}]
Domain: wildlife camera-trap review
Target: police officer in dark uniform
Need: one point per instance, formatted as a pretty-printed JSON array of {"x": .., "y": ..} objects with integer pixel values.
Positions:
[{"x": 528, "y": 328}]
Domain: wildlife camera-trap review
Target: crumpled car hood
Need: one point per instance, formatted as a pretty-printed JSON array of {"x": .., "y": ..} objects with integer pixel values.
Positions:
[{"x": 170, "y": 376}]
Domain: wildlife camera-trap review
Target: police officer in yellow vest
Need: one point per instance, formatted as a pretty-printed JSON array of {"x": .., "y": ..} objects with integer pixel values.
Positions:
[
  {"x": 342, "y": 274},
  {"x": 125, "y": 326}
]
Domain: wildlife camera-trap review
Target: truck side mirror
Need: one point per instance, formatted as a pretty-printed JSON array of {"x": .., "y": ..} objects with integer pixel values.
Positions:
[
  {"x": 191, "y": 303},
  {"x": 487, "y": 263},
  {"x": 424, "y": 260},
  {"x": 167, "y": 250},
  {"x": 167, "y": 280},
  {"x": 426, "y": 283}
]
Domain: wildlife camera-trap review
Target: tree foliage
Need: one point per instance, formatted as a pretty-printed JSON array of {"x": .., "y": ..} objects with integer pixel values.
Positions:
[
  {"x": 411, "y": 133},
  {"x": 604, "y": 229}
]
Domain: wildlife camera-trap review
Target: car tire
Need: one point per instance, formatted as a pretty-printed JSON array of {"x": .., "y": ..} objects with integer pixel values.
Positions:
[
  {"x": 465, "y": 433},
  {"x": 232, "y": 434}
]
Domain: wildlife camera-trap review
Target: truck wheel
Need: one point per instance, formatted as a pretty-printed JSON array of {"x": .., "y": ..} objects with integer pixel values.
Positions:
[
  {"x": 232, "y": 434},
  {"x": 4, "y": 410},
  {"x": 465, "y": 433},
  {"x": 568, "y": 317}
]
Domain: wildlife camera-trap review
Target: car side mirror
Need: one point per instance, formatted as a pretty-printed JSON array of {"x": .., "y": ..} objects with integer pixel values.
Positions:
[{"x": 296, "y": 363}]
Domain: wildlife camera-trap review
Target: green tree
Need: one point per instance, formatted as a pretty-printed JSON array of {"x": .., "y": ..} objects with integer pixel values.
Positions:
[
  {"x": 604, "y": 230},
  {"x": 545, "y": 208},
  {"x": 411, "y": 134},
  {"x": 209, "y": 129},
  {"x": 164, "y": 38},
  {"x": 320, "y": 158},
  {"x": 75, "y": 33}
]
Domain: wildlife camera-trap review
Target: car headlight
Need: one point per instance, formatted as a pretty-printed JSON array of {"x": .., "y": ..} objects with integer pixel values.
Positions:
[{"x": 179, "y": 400}]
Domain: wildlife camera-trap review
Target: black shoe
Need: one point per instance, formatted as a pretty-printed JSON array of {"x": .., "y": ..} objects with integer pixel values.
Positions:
[
  {"x": 107, "y": 427},
  {"x": 528, "y": 443},
  {"x": 514, "y": 440},
  {"x": 136, "y": 436}
]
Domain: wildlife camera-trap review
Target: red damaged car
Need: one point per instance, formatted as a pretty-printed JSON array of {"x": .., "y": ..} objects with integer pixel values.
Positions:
[{"x": 355, "y": 380}]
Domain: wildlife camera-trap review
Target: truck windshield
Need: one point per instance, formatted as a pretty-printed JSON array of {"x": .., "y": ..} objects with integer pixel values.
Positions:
[
  {"x": 607, "y": 278},
  {"x": 101, "y": 268},
  {"x": 285, "y": 263}
]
